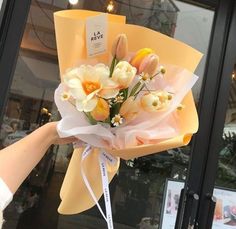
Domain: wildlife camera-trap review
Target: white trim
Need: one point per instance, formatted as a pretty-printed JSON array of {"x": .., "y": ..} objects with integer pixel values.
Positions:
[{"x": 5, "y": 195}]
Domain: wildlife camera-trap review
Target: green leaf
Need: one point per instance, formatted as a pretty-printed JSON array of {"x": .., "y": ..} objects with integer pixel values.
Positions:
[{"x": 135, "y": 88}]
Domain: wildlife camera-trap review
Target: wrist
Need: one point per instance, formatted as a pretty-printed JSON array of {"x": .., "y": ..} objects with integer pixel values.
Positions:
[{"x": 52, "y": 132}]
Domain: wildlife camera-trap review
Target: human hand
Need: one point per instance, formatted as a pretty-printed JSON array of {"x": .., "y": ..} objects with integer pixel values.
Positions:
[{"x": 51, "y": 127}]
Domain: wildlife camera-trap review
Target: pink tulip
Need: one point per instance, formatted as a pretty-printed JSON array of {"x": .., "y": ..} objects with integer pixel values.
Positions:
[
  {"x": 149, "y": 64},
  {"x": 139, "y": 56},
  {"x": 120, "y": 47}
]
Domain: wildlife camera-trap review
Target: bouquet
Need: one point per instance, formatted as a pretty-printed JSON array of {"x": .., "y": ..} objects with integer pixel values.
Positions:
[{"x": 124, "y": 103}]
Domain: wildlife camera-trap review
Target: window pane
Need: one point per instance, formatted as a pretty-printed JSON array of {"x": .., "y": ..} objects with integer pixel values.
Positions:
[
  {"x": 225, "y": 191},
  {"x": 137, "y": 192}
]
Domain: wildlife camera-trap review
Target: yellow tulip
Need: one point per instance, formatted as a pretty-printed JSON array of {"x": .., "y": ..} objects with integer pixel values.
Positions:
[
  {"x": 129, "y": 109},
  {"x": 102, "y": 110},
  {"x": 139, "y": 56},
  {"x": 120, "y": 47}
]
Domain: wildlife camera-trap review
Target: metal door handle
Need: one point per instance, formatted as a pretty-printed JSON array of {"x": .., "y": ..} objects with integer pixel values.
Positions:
[
  {"x": 192, "y": 200},
  {"x": 194, "y": 208},
  {"x": 211, "y": 211}
]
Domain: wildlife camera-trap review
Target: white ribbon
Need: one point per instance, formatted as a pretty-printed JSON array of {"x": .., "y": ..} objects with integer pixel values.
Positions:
[{"x": 103, "y": 158}]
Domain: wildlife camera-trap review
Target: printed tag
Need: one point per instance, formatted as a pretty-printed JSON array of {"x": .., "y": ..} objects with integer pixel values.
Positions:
[
  {"x": 96, "y": 35},
  {"x": 86, "y": 152}
]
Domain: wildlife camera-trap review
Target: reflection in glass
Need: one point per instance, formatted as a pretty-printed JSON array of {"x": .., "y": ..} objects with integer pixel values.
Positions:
[
  {"x": 225, "y": 211},
  {"x": 226, "y": 176}
]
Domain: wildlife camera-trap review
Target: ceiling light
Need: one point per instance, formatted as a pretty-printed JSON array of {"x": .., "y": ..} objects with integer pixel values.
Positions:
[
  {"x": 73, "y": 2},
  {"x": 233, "y": 76},
  {"x": 110, "y": 7}
]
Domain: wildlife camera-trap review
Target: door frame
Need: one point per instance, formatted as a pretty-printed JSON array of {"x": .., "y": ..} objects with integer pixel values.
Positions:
[
  {"x": 14, "y": 17},
  {"x": 221, "y": 106},
  {"x": 196, "y": 196}
]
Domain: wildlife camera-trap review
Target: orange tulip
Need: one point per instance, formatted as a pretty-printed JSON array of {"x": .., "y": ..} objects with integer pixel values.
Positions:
[
  {"x": 149, "y": 64},
  {"x": 120, "y": 47},
  {"x": 102, "y": 110},
  {"x": 139, "y": 56}
]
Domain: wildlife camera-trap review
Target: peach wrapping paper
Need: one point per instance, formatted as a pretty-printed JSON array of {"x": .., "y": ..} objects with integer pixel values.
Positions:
[{"x": 70, "y": 36}]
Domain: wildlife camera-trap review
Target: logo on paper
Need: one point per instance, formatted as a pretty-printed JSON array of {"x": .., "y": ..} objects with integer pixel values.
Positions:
[{"x": 97, "y": 36}]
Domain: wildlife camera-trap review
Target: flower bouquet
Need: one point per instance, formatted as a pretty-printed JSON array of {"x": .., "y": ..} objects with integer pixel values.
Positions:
[{"x": 127, "y": 102}]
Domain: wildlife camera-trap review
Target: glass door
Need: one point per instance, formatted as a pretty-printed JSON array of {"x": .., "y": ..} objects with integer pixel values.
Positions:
[
  {"x": 225, "y": 184},
  {"x": 217, "y": 206},
  {"x": 146, "y": 191}
]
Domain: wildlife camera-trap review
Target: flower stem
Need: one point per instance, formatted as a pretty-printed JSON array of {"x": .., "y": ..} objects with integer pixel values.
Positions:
[
  {"x": 125, "y": 93},
  {"x": 136, "y": 94},
  {"x": 90, "y": 118},
  {"x": 113, "y": 64},
  {"x": 155, "y": 75}
]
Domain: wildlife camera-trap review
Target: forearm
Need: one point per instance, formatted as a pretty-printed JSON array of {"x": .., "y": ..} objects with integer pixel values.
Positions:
[{"x": 17, "y": 160}]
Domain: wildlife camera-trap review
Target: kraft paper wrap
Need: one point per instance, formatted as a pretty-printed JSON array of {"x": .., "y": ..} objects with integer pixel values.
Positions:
[{"x": 71, "y": 46}]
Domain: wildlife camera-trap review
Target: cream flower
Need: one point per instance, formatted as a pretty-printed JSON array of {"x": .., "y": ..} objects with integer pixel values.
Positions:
[
  {"x": 129, "y": 109},
  {"x": 87, "y": 83},
  {"x": 155, "y": 101},
  {"x": 123, "y": 74}
]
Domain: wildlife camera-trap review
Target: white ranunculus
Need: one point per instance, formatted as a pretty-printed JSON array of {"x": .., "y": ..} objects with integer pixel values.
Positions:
[
  {"x": 150, "y": 102},
  {"x": 123, "y": 74},
  {"x": 155, "y": 101}
]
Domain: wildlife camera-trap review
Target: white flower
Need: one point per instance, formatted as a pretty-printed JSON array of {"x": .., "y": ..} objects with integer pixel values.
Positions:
[
  {"x": 119, "y": 98},
  {"x": 162, "y": 70},
  {"x": 117, "y": 120},
  {"x": 144, "y": 77},
  {"x": 123, "y": 74},
  {"x": 65, "y": 96},
  {"x": 87, "y": 83},
  {"x": 110, "y": 102},
  {"x": 155, "y": 101}
]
